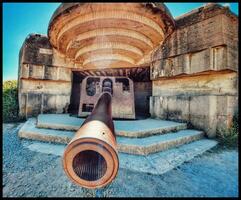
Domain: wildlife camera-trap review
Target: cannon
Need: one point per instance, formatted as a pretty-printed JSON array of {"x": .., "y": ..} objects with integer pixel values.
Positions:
[{"x": 91, "y": 159}]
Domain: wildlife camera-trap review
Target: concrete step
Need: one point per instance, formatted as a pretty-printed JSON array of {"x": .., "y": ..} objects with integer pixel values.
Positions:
[
  {"x": 30, "y": 131},
  {"x": 156, "y": 163},
  {"x": 127, "y": 128},
  {"x": 156, "y": 143},
  {"x": 138, "y": 146}
]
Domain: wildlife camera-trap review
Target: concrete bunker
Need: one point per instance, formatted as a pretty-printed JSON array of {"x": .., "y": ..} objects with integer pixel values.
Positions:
[{"x": 182, "y": 69}]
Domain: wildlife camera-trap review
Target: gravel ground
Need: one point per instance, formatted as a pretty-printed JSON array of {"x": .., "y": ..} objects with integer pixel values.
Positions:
[{"x": 32, "y": 174}]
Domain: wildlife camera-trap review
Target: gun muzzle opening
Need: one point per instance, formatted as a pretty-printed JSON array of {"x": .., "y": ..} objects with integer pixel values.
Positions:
[
  {"x": 90, "y": 162},
  {"x": 89, "y": 165}
]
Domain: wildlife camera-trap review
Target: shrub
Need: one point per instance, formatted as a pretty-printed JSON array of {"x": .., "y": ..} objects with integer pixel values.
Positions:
[
  {"x": 229, "y": 137},
  {"x": 10, "y": 101}
]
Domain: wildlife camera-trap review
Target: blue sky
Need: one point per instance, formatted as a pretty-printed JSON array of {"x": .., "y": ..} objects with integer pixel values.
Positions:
[{"x": 21, "y": 19}]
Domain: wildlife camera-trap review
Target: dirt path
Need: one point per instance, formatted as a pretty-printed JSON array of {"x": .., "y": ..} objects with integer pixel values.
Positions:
[{"x": 31, "y": 174}]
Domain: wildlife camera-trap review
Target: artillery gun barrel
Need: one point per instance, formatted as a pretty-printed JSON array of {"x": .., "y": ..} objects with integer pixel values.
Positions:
[{"x": 91, "y": 158}]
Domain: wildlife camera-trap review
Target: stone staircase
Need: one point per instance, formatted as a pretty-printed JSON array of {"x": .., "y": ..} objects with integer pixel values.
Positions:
[{"x": 139, "y": 141}]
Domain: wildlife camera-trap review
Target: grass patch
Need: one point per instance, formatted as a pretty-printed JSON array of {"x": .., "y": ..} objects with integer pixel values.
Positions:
[
  {"x": 228, "y": 137},
  {"x": 10, "y": 102}
]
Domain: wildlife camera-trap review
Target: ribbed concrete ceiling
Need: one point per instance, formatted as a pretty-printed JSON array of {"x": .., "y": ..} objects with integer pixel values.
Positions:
[{"x": 109, "y": 35}]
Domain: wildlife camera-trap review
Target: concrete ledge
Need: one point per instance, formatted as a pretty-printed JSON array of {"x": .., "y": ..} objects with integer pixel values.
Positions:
[
  {"x": 138, "y": 146},
  {"x": 127, "y": 128},
  {"x": 153, "y": 144},
  {"x": 164, "y": 161},
  {"x": 156, "y": 163},
  {"x": 29, "y": 131}
]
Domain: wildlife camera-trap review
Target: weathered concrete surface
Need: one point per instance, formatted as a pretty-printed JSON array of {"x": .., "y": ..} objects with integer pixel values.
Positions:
[
  {"x": 96, "y": 35},
  {"x": 215, "y": 83},
  {"x": 139, "y": 146},
  {"x": 205, "y": 112},
  {"x": 29, "y": 131},
  {"x": 152, "y": 144},
  {"x": 194, "y": 72},
  {"x": 127, "y": 128},
  {"x": 201, "y": 42},
  {"x": 43, "y": 86},
  {"x": 157, "y": 163}
]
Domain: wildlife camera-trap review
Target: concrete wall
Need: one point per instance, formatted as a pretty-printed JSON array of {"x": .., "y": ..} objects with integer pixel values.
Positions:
[
  {"x": 194, "y": 72},
  {"x": 207, "y": 101},
  {"x": 44, "y": 83},
  {"x": 205, "y": 42}
]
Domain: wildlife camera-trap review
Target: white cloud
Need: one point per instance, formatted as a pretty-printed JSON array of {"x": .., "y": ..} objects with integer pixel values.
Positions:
[{"x": 226, "y": 5}]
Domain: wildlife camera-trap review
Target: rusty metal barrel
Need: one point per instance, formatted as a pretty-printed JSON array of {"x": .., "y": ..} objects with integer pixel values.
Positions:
[{"x": 91, "y": 158}]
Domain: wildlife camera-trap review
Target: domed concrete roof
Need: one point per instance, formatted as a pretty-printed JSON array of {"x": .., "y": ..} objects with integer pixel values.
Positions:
[{"x": 109, "y": 35}]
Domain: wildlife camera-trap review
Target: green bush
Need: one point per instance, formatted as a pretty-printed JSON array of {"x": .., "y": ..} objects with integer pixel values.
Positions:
[
  {"x": 10, "y": 101},
  {"x": 229, "y": 137}
]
